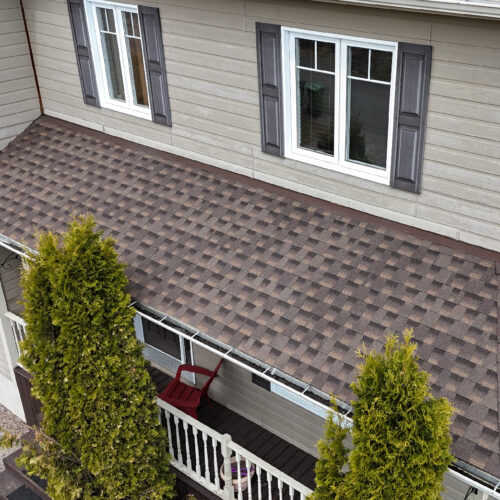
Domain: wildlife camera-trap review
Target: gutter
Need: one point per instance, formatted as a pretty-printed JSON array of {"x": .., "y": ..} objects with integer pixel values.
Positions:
[{"x": 464, "y": 472}]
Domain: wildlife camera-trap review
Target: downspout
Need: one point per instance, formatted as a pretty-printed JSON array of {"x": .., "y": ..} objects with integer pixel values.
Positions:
[{"x": 31, "y": 57}]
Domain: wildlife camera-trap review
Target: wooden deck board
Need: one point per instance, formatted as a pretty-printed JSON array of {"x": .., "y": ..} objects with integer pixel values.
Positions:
[{"x": 271, "y": 448}]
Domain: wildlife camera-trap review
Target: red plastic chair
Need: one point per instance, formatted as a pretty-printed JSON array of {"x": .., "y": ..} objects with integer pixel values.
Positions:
[{"x": 186, "y": 397}]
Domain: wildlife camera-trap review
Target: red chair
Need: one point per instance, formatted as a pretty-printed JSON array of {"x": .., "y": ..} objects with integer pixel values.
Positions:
[{"x": 186, "y": 397}]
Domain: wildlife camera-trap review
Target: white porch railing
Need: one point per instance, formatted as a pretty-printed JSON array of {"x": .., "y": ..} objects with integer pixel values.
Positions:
[
  {"x": 200, "y": 452},
  {"x": 18, "y": 326}
]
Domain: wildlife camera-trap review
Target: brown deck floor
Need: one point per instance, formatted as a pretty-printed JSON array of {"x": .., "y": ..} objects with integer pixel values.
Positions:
[{"x": 266, "y": 445}]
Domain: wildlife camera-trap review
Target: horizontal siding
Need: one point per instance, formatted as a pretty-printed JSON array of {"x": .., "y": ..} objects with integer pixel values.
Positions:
[
  {"x": 233, "y": 388},
  {"x": 211, "y": 60},
  {"x": 19, "y": 104}
]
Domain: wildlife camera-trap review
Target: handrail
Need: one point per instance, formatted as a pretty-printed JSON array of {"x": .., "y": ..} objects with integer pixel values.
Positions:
[{"x": 206, "y": 445}]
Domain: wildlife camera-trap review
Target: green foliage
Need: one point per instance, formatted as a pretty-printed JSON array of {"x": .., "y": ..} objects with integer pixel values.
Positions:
[
  {"x": 100, "y": 436},
  {"x": 333, "y": 455},
  {"x": 400, "y": 432}
]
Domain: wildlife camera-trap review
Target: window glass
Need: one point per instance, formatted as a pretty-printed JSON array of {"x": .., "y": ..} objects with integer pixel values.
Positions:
[
  {"x": 326, "y": 56},
  {"x": 305, "y": 51},
  {"x": 358, "y": 59},
  {"x": 316, "y": 111},
  {"x": 135, "y": 59},
  {"x": 368, "y": 106},
  {"x": 111, "y": 54},
  {"x": 162, "y": 339},
  {"x": 316, "y": 96},
  {"x": 381, "y": 65}
]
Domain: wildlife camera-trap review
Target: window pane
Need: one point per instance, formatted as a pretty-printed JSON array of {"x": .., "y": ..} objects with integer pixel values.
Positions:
[
  {"x": 127, "y": 21},
  {"x": 136, "y": 63},
  {"x": 316, "y": 111},
  {"x": 110, "y": 54},
  {"x": 305, "y": 51},
  {"x": 161, "y": 338},
  {"x": 381, "y": 65},
  {"x": 368, "y": 122},
  {"x": 358, "y": 62},
  {"x": 326, "y": 56}
]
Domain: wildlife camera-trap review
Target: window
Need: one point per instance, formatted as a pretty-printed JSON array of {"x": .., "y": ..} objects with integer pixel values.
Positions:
[
  {"x": 339, "y": 102},
  {"x": 163, "y": 346},
  {"x": 115, "y": 33}
]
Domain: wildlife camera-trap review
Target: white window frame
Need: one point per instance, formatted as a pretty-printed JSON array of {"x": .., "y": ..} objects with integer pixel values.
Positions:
[
  {"x": 338, "y": 162},
  {"x": 98, "y": 59}
]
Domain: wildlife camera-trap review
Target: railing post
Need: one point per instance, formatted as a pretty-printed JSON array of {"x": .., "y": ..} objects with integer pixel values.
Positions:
[{"x": 226, "y": 458}]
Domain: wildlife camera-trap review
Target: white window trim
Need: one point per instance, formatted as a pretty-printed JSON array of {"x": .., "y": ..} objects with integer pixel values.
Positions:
[
  {"x": 338, "y": 162},
  {"x": 98, "y": 59}
]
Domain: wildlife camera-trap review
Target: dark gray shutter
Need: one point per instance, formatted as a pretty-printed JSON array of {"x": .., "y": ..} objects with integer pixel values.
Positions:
[
  {"x": 269, "y": 70},
  {"x": 83, "y": 53},
  {"x": 155, "y": 64},
  {"x": 412, "y": 96}
]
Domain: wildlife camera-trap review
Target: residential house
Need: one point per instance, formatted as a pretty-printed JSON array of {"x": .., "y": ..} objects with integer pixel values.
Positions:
[{"x": 288, "y": 180}]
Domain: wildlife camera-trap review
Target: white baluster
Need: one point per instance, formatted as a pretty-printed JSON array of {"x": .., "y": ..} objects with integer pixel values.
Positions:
[
  {"x": 197, "y": 452},
  {"x": 169, "y": 433},
  {"x": 269, "y": 480},
  {"x": 186, "y": 439},
  {"x": 280, "y": 488},
  {"x": 238, "y": 472},
  {"x": 216, "y": 465},
  {"x": 226, "y": 457},
  {"x": 259, "y": 481},
  {"x": 291, "y": 491},
  {"x": 302, "y": 496},
  {"x": 248, "y": 465},
  {"x": 178, "y": 440},
  {"x": 205, "y": 455}
]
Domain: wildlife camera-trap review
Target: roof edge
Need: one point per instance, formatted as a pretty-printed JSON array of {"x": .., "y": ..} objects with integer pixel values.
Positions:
[{"x": 475, "y": 8}]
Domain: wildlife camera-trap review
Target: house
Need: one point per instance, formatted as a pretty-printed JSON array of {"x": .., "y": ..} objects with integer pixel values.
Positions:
[{"x": 287, "y": 180}]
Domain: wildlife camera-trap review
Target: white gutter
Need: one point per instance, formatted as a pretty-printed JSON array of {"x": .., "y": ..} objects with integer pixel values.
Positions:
[
  {"x": 492, "y": 492},
  {"x": 344, "y": 420},
  {"x": 468, "y": 8}
]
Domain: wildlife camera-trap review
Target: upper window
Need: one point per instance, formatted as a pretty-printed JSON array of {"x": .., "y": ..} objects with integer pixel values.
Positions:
[
  {"x": 115, "y": 34},
  {"x": 338, "y": 94}
]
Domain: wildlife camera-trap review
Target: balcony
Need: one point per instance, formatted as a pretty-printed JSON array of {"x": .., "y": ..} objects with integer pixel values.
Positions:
[{"x": 200, "y": 448}]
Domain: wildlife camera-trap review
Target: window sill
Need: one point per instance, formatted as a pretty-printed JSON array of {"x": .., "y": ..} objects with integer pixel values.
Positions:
[
  {"x": 138, "y": 113},
  {"x": 372, "y": 174}
]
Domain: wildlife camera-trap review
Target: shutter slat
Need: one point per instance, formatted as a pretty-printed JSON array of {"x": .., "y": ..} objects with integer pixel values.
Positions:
[
  {"x": 81, "y": 40},
  {"x": 412, "y": 96},
  {"x": 269, "y": 70},
  {"x": 156, "y": 70}
]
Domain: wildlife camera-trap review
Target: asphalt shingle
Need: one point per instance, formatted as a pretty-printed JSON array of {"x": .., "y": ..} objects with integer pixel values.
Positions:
[{"x": 298, "y": 285}]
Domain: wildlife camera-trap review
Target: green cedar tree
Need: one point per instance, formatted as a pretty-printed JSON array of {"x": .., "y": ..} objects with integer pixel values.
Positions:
[
  {"x": 400, "y": 432},
  {"x": 100, "y": 436}
]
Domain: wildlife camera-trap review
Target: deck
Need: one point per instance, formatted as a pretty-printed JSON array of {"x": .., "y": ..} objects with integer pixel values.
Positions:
[{"x": 266, "y": 445}]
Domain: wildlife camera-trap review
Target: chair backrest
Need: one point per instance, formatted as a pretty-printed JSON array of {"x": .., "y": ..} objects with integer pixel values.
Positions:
[{"x": 204, "y": 389}]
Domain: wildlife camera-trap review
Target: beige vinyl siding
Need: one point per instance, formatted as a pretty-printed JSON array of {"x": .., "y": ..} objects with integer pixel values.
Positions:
[
  {"x": 233, "y": 387},
  {"x": 211, "y": 62},
  {"x": 19, "y": 104}
]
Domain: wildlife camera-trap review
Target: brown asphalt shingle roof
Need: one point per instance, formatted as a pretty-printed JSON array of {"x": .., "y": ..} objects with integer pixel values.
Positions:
[{"x": 298, "y": 285}]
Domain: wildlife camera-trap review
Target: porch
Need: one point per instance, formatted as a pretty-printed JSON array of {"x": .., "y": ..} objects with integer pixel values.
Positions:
[{"x": 199, "y": 448}]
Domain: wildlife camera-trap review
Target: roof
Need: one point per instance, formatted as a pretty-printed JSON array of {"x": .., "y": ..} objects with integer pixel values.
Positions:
[{"x": 294, "y": 282}]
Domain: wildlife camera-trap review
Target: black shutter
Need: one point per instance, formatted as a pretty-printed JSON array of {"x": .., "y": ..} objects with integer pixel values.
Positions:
[
  {"x": 154, "y": 58},
  {"x": 269, "y": 70},
  {"x": 83, "y": 53},
  {"x": 412, "y": 96}
]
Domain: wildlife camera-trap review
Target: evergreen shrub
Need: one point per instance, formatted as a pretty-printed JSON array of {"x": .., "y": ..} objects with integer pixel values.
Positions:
[
  {"x": 100, "y": 436},
  {"x": 400, "y": 433}
]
